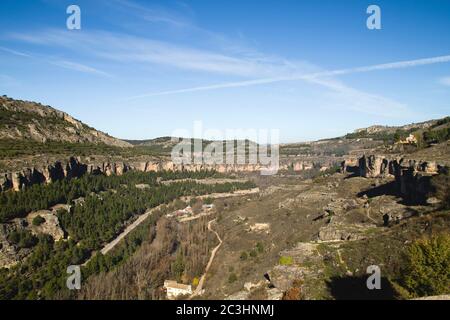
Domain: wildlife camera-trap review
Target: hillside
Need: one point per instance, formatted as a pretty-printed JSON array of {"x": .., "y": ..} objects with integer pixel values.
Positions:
[
  {"x": 377, "y": 138},
  {"x": 24, "y": 121},
  {"x": 394, "y": 134},
  {"x": 308, "y": 232}
]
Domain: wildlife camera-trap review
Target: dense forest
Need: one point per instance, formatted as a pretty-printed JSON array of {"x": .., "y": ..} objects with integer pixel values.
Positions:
[
  {"x": 101, "y": 217},
  {"x": 108, "y": 204},
  {"x": 43, "y": 196}
]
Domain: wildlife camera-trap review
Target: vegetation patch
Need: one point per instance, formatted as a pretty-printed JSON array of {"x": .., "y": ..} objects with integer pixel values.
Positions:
[
  {"x": 286, "y": 260},
  {"x": 38, "y": 220}
]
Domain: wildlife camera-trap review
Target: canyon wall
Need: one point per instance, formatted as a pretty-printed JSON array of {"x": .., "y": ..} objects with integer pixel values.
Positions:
[{"x": 75, "y": 167}]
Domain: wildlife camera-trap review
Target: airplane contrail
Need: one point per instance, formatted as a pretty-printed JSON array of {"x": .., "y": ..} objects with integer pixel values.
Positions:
[{"x": 311, "y": 76}]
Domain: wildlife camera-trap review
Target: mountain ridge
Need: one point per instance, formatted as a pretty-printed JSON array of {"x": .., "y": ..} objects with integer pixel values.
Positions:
[{"x": 22, "y": 120}]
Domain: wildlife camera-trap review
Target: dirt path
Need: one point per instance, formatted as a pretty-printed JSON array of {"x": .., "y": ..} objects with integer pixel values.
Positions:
[
  {"x": 198, "y": 216},
  {"x": 370, "y": 218},
  {"x": 199, "y": 288}
]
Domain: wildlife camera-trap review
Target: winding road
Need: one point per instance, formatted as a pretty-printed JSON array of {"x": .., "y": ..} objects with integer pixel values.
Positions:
[{"x": 199, "y": 288}]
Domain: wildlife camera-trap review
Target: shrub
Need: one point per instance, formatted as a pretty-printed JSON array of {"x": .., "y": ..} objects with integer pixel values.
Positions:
[
  {"x": 427, "y": 270},
  {"x": 295, "y": 292},
  {"x": 22, "y": 238},
  {"x": 192, "y": 201},
  {"x": 243, "y": 256},
  {"x": 38, "y": 220},
  {"x": 232, "y": 278},
  {"x": 286, "y": 260},
  {"x": 260, "y": 247},
  {"x": 208, "y": 200},
  {"x": 253, "y": 253},
  {"x": 436, "y": 136}
]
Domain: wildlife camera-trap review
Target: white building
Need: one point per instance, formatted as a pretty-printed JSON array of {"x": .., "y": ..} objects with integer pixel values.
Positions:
[{"x": 175, "y": 289}]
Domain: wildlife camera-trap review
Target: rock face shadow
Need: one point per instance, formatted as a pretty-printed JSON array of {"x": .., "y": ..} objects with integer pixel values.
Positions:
[
  {"x": 389, "y": 189},
  {"x": 355, "y": 288}
]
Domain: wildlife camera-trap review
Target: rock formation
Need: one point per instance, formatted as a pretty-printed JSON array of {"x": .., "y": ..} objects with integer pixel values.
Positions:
[
  {"x": 412, "y": 177},
  {"x": 75, "y": 167}
]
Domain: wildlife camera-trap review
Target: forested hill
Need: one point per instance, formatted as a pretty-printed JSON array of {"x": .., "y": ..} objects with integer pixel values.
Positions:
[{"x": 24, "y": 121}]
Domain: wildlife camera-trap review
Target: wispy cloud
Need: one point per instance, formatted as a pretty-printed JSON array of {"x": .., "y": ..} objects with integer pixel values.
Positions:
[
  {"x": 124, "y": 48},
  {"x": 348, "y": 98},
  {"x": 445, "y": 81},
  {"x": 150, "y": 13},
  {"x": 66, "y": 64},
  {"x": 309, "y": 77},
  {"x": 15, "y": 52},
  {"x": 131, "y": 49},
  {"x": 78, "y": 67}
]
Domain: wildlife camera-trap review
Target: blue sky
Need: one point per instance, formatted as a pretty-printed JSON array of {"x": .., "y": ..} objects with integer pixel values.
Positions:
[{"x": 142, "y": 69}]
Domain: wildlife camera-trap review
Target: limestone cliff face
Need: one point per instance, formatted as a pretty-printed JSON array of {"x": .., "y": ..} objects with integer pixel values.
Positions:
[
  {"x": 373, "y": 166},
  {"x": 412, "y": 177},
  {"x": 75, "y": 167}
]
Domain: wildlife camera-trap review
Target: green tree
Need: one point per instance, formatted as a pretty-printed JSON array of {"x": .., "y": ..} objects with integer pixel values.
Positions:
[
  {"x": 178, "y": 267},
  {"x": 38, "y": 220},
  {"x": 427, "y": 270}
]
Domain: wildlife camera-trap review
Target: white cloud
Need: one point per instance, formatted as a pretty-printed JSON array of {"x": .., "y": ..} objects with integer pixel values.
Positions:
[
  {"x": 122, "y": 48},
  {"x": 131, "y": 49}
]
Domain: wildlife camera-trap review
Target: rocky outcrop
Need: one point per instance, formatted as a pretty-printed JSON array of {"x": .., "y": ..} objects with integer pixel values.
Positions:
[
  {"x": 349, "y": 165},
  {"x": 374, "y": 166},
  {"x": 51, "y": 226},
  {"x": 341, "y": 233},
  {"x": 412, "y": 177},
  {"x": 36, "y": 122}
]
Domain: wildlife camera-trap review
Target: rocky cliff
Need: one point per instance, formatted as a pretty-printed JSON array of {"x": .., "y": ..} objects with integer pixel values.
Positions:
[
  {"x": 412, "y": 177},
  {"x": 76, "y": 167}
]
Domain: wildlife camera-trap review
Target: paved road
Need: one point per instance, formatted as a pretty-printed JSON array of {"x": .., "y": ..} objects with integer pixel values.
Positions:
[{"x": 130, "y": 228}]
